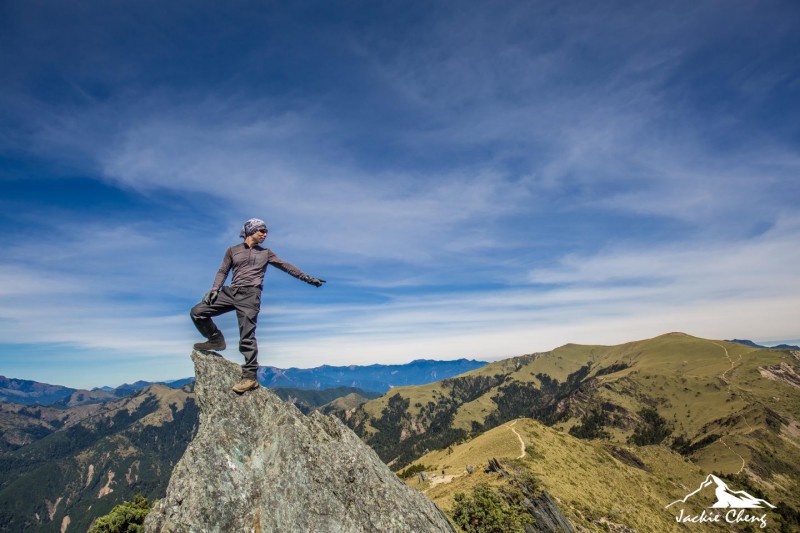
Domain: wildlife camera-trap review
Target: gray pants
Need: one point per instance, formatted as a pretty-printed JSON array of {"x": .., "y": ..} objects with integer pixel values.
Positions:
[{"x": 246, "y": 301}]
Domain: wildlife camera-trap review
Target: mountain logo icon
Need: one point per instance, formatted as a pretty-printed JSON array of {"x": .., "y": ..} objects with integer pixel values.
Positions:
[{"x": 725, "y": 497}]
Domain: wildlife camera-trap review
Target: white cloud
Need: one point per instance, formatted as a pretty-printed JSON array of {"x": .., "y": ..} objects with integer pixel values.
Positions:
[{"x": 765, "y": 264}]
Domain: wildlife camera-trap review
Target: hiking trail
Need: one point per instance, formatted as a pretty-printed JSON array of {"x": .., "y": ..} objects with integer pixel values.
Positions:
[
  {"x": 521, "y": 443},
  {"x": 728, "y": 383}
]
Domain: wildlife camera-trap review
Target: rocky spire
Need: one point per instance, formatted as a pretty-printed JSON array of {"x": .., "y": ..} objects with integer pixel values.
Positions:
[{"x": 257, "y": 464}]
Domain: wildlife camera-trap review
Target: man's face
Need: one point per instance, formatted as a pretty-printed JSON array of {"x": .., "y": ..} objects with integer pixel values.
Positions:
[{"x": 260, "y": 235}]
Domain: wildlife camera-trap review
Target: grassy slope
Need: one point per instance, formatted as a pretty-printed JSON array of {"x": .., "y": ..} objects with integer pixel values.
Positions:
[
  {"x": 588, "y": 483},
  {"x": 557, "y": 364},
  {"x": 715, "y": 388},
  {"x": 308, "y": 399},
  {"x": 344, "y": 403},
  {"x": 703, "y": 388}
]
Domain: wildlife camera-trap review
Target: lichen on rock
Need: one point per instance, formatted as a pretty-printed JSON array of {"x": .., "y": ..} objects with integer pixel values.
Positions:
[{"x": 257, "y": 464}]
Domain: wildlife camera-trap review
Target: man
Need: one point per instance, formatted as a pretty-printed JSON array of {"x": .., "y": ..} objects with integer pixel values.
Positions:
[{"x": 249, "y": 262}]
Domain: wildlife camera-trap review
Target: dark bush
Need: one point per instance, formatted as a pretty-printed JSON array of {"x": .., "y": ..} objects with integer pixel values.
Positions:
[
  {"x": 684, "y": 446},
  {"x": 591, "y": 425},
  {"x": 411, "y": 470},
  {"x": 652, "y": 429},
  {"x": 489, "y": 511},
  {"x": 128, "y": 517}
]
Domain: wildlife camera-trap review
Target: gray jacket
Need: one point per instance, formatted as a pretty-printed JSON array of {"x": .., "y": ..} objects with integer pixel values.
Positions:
[{"x": 249, "y": 266}]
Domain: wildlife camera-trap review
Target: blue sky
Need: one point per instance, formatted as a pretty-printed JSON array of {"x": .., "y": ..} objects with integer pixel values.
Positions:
[{"x": 473, "y": 179}]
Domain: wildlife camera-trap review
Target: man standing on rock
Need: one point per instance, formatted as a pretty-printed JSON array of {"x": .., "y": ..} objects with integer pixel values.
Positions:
[{"x": 249, "y": 263}]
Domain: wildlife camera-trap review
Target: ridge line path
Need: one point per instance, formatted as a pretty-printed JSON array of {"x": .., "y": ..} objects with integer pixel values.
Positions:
[
  {"x": 435, "y": 480},
  {"x": 448, "y": 478},
  {"x": 728, "y": 383},
  {"x": 728, "y": 357},
  {"x": 521, "y": 443},
  {"x": 735, "y": 453}
]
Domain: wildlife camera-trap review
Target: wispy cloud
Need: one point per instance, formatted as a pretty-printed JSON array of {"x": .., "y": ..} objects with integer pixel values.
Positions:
[{"x": 743, "y": 289}]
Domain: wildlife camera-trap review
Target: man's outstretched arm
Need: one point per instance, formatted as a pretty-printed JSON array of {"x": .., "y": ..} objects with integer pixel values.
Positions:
[{"x": 289, "y": 268}]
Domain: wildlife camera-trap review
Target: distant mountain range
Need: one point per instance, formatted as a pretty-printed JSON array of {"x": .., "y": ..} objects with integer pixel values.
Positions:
[
  {"x": 373, "y": 378},
  {"x": 379, "y": 378},
  {"x": 26, "y": 392},
  {"x": 754, "y": 345}
]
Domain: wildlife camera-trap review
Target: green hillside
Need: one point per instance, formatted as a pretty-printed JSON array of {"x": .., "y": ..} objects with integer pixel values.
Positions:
[
  {"x": 725, "y": 407},
  {"x": 348, "y": 402},
  {"x": 307, "y": 400},
  {"x": 21, "y": 425}
]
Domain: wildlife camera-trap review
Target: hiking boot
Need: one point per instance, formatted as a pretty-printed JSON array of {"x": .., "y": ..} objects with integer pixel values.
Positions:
[
  {"x": 214, "y": 343},
  {"x": 245, "y": 385}
]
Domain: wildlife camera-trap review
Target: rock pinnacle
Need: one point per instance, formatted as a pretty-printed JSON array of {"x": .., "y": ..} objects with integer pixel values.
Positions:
[{"x": 259, "y": 465}]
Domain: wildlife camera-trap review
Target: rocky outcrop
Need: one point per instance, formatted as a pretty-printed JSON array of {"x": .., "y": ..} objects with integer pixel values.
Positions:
[
  {"x": 257, "y": 464},
  {"x": 549, "y": 517},
  {"x": 782, "y": 372}
]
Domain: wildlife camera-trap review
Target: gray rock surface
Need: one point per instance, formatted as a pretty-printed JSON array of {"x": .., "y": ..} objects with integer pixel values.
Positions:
[
  {"x": 259, "y": 465},
  {"x": 549, "y": 517}
]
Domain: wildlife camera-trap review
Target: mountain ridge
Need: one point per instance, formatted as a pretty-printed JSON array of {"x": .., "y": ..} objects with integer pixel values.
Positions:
[
  {"x": 731, "y": 409},
  {"x": 116, "y": 450}
]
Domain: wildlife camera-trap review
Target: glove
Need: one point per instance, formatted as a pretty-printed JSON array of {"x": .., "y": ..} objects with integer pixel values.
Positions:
[
  {"x": 210, "y": 297},
  {"x": 316, "y": 282}
]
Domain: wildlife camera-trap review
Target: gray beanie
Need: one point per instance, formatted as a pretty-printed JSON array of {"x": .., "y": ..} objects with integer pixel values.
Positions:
[{"x": 251, "y": 226}]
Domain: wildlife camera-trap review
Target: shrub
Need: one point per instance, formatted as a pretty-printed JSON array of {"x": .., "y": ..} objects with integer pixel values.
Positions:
[
  {"x": 127, "y": 517},
  {"x": 684, "y": 446},
  {"x": 411, "y": 470},
  {"x": 488, "y": 511},
  {"x": 789, "y": 517}
]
